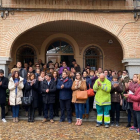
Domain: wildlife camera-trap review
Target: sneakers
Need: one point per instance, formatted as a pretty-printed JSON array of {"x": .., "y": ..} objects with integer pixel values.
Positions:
[
  {"x": 117, "y": 124},
  {"x": 52, "y": 121},
  {"x": 14, "y": 120},
  {"x": 128, "y": 125},
  {"x": 132, "y": 128},
  {"x": 80, "y": 122},
  {"x": 77, "y": 122},
  {"x": 17, "y": 120},
  {"x": 4, "y": 120},
  {"x": 112, "y": 123},
  {"x": 44, "y": 120},
  {"x": 106, "y": 126},
  {"x": 138, "y": 131},
  {"x": 98, "y": 125}
]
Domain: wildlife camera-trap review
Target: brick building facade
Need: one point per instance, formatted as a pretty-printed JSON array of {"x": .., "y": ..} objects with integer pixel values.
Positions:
[{"x": 104, "y": 33}]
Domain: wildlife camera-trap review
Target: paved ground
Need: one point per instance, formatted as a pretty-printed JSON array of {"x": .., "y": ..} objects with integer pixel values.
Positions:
[{"x": 62, "y": 131}]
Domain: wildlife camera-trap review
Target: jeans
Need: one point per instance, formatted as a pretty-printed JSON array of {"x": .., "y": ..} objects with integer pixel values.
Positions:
[
  {"x": 66, "y": 104},
  {"x": 130, "y": 111},
  {"x": 15, "y": 110},
  {"x": 115, "y": 108},
  {"x": 46, "y": 108},
  {"x": 135, "y": 119},
  {"x": 138, "y": 118},
  {"x": 87, "y": 107},
  {"x": 79, "y": 110},
  {"x": 2, "y": 110}
]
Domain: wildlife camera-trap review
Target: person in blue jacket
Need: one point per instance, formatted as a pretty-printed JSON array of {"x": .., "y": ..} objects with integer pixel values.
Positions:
[
  {"x": 88, "y": 83},
  {"x": 65, "y": 95}
]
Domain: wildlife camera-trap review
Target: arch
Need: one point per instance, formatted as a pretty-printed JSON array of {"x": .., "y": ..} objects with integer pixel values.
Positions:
[
  {"x": 62, "y": 36},
  {"x": 22, "y": 47},
  {"x": 42, "y": 18},
  {"x": 97, "y": 49}
]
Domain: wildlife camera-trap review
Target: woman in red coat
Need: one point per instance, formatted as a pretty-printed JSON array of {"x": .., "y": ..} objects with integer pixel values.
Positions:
[{"x": 136, "y": 103}]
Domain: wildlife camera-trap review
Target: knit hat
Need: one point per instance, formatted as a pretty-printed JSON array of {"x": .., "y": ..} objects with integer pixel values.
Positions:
[
  {"x": 14, "y": 69},
  {"x": 115, "y": 76}
]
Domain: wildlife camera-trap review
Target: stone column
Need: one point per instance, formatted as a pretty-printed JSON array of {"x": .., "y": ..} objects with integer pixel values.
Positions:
[
  {"x": 4, "y": 62},
  {"x": 132, "y": 65}
]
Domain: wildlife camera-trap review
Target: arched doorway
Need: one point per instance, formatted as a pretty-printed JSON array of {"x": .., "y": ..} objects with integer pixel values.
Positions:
[
  {"x": 25, "y": 54},
  {"x": 94, "y": 57},
  {"x": 60, "y": 51}
]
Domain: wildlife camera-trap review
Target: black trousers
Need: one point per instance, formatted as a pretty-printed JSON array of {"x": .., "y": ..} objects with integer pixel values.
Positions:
[
  {"x": 2, "y": 110},
  {"x": 91, "y": 99},
  {"x": 31, "y": 112},
  {"x": 40, "y": 104},
  {"x": 115, "y": 108},
  {"x": 138, "y": 118},
  {"x": 56, "y": 105},
  {"x": 66, "y": 104}
]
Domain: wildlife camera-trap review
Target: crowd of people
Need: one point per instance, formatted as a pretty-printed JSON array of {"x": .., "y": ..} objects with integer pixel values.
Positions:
[{"x": 55, "y": 86}]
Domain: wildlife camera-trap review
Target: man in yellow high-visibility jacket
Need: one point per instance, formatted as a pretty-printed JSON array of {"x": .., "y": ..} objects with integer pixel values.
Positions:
[{"x": 102, "y": 87}]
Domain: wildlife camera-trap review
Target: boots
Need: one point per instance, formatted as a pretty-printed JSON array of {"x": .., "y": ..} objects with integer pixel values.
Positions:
[
  {"x": 77, "y": 122},
  {"x": 83, "y": 116},
  {"x": 16, "y": 119},
  {"x": 33, "y": 114},
  {"x": 80, "y": 122},
  {"x": 29, "y": 114},
  {"x": 87, "y": 116}
]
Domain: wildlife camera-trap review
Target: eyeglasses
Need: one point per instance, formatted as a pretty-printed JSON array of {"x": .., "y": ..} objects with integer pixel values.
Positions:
[
  {"x": 37, "y": 66},
  {"x": 77, "y": 75}
]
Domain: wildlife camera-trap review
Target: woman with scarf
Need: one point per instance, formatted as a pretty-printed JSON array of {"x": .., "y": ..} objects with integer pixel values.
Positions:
[
  {"x": 116, "y": 90},
  {"x": 65, "y": 95},
  {"x": 31, "y": 89},
  {"x": 15, "y": 86},
  {"x": 78, "y": 85}
]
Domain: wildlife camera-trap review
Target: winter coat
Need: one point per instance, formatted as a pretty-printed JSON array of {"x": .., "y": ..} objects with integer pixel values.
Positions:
[
  {"x": 125, "y": 80},
  {"x": 61, "y": 69},
  {"x": 32, "y": 91},
  {"x": 136, "y": 100},
  {"x": 49, "y": 97},
  {"x": 93, "y": 79},
  {"x": 66, "y": 92},
  {"x": 3, "y": 89},
  {"x": 82, "y": 87},
  {"x": 102, "y": 96},
  {"x": 23, "y": 73},
  {"x": 15, "y": 99},
  {"x": 88, "y": 81},
  {"x": 133, "y": 87},
  {"x": 116, "y": 93}
]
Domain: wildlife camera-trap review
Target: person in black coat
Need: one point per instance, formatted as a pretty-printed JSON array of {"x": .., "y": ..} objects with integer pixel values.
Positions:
[
  {"x": 3, "y": 88},
  {"x": 31, "y": 89},
  {"x": 48, "y": 88}
]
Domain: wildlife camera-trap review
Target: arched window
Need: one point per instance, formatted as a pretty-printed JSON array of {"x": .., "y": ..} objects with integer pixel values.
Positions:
[
  {"x": 60, "y": 51},
  {"x": 25, "y": 54},
  {"x": 94, "y": 57},
  {"x": 60, "y": 47}
]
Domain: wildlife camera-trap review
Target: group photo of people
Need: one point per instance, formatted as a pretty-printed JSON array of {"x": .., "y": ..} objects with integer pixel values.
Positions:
[{"x": 56, "y": 90}]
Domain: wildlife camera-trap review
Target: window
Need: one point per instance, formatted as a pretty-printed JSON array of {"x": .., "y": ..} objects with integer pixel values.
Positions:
[{"x": 60, "y": 47}]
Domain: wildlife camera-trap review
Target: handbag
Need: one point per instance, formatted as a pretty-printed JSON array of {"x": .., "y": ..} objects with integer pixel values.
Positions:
[
  {"x": 124, "y": 104},
  {"x": 81, "y": 95},
  {"x": 90, "y": 92},
  {"x": 26, "y": 101}
]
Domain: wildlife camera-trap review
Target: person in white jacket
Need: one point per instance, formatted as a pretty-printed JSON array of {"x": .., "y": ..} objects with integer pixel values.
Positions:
[{"x": 15, "y": 86}]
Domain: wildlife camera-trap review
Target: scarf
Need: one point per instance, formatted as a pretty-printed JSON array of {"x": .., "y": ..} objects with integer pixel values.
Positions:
[
  {"x": 114, "y": 82},
  {"x": 41, "y": 78},
  {"x": 64, "y": 80},
  {"x": 30, "y": 81},
  {"x": 124, "y": 76},
  {"x": 77, "y": 82}
]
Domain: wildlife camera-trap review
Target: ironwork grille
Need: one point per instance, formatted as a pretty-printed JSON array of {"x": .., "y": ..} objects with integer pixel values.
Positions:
[
  {"x": 94, "y": 57},
  {"x": 25, "y": 54}
]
